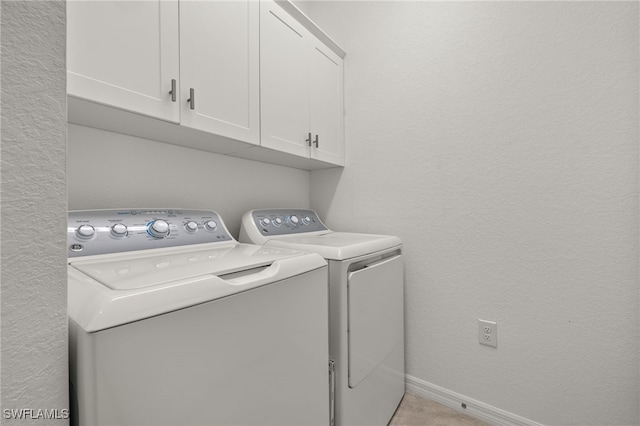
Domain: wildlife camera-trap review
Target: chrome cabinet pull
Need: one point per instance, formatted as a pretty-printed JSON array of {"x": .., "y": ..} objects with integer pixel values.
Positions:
[
  {"x": 309, "y": 139},
  {"x": 173, "y": 90},
  {"x": 192, "y": 98},
  {"x": 317, "y": 142}
]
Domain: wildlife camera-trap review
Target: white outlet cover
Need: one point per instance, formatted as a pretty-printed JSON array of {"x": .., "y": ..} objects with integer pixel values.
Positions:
[{"x": 488, "y": 333}]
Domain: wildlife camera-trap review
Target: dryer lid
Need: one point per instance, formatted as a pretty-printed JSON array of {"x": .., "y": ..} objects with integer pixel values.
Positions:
[{"x": 336, "y": 245}]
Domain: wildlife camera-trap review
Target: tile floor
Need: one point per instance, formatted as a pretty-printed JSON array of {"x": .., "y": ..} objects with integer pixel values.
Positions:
[{"x": 417, "y": 411}]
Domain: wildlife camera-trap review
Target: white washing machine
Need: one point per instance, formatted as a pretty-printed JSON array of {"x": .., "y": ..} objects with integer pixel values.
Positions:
[
  {"x": 366, "y": 308},
  {"x": 173, "y": 322}
]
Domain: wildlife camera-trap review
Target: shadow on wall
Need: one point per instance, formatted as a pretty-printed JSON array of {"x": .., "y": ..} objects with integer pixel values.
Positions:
[{"x": 322, "y": 188}]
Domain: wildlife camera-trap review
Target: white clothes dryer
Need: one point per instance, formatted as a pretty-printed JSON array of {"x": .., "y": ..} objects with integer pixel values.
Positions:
[
  {"x": 173, "y": 322},
  {"x": 366, "y": 308}
]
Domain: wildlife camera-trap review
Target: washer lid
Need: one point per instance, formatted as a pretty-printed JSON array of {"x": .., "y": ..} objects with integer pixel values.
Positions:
[
  {"x": 125, "y": 272},
  {"x": 336, "y": 245},
  {"x": 105, "y": 293}
]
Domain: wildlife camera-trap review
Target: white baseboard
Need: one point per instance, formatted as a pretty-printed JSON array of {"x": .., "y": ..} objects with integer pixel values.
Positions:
[{"x": 474, "y": 408}]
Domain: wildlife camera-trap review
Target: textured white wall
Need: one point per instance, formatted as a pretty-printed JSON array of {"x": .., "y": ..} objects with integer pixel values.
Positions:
[
  {"x": 34, "y": 208},
  {"x": 111, "y": 170},
  {"x": 499, "y": 140}
]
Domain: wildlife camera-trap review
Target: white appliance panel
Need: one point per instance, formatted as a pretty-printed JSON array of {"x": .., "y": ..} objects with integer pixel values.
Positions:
[
  {"x": 173, "y": 322},
  {"x": 366, "y": 306},
  {"x": 376, "y": 319},
  {"x": 255, "y": 358}
]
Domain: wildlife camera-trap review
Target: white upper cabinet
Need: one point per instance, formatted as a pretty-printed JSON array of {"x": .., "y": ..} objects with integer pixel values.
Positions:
[
  {"x": 133, "y": 54},
  {"x": 301, "y": 84},
  {"x": 219, "y": 65},
  {"x": 124, "y": 54},
  {"x": 326, "y": 105},
  {"x": 248, "y": 78},
  {"x": 283, "y": 81}
]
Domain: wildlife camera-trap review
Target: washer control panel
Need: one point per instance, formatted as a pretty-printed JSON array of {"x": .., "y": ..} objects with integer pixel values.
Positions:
[
  {"x": 91, "y": 232},
  {"x": 286, "y": 221}
]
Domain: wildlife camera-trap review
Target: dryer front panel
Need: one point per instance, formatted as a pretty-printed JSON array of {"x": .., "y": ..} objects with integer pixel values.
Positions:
[{"x": 375, "y": 315}]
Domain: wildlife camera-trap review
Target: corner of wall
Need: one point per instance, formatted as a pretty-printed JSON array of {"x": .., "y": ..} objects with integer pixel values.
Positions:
[{"x": 33, "y": 209}]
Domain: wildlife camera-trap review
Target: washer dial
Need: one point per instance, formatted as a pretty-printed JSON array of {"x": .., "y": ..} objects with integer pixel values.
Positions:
[
  {"x": 191, "y": 226},
  {"x": 85, "y": 232},
  {"x": 210, "y": 225},
  {"x": 158, "y": 228},
  {"x": 119, "y": 230}
]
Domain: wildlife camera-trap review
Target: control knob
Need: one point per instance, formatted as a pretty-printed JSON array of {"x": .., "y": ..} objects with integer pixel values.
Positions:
[
  {"x": 277, "y": 221},
  {"x": 158, "y": 228},
  {"x": 265, "y": 222},
  {"x": 210, "y": 225},
  {"x": 306, "y": 220},
  {"x": 119, "y": 230},
  {"x": 191, "y": 226},
  {"x": 85, "y": 231},
  {"x": 293, "y": 219}
]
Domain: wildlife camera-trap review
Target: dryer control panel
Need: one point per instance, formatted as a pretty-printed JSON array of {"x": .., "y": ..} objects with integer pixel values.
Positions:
[
  {"x": 286, "y": 221},
  {"x": 91, "y": 232}
]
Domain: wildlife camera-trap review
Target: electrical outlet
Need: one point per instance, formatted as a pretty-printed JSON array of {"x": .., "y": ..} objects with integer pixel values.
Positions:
[{"x": 488, "y": 333}]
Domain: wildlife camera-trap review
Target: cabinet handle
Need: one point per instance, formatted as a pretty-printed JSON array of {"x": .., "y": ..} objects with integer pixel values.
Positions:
[
  {"x": 192, "y": 98},
  {"x": 173, "y": 90},
  {"x": 317, "y": 142},
  {"x": 309, "y": 139}
]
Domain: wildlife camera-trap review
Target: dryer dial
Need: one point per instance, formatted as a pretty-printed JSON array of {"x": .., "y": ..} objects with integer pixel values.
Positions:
[
  {"x": 265, "y": 222},
  {"x": 191, "y": 226}
]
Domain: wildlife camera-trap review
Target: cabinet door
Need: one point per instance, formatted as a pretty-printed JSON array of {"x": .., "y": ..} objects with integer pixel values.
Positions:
[
  {"x": 326, "y": 105},
  {"x": 283, "y": 81},
  {"x": 124, "y": 54},
  {"x": 219, "y": 60}
]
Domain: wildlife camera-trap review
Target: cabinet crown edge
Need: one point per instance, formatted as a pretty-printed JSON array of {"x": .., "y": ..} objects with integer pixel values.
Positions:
[{"x": 311, "y": 26}]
